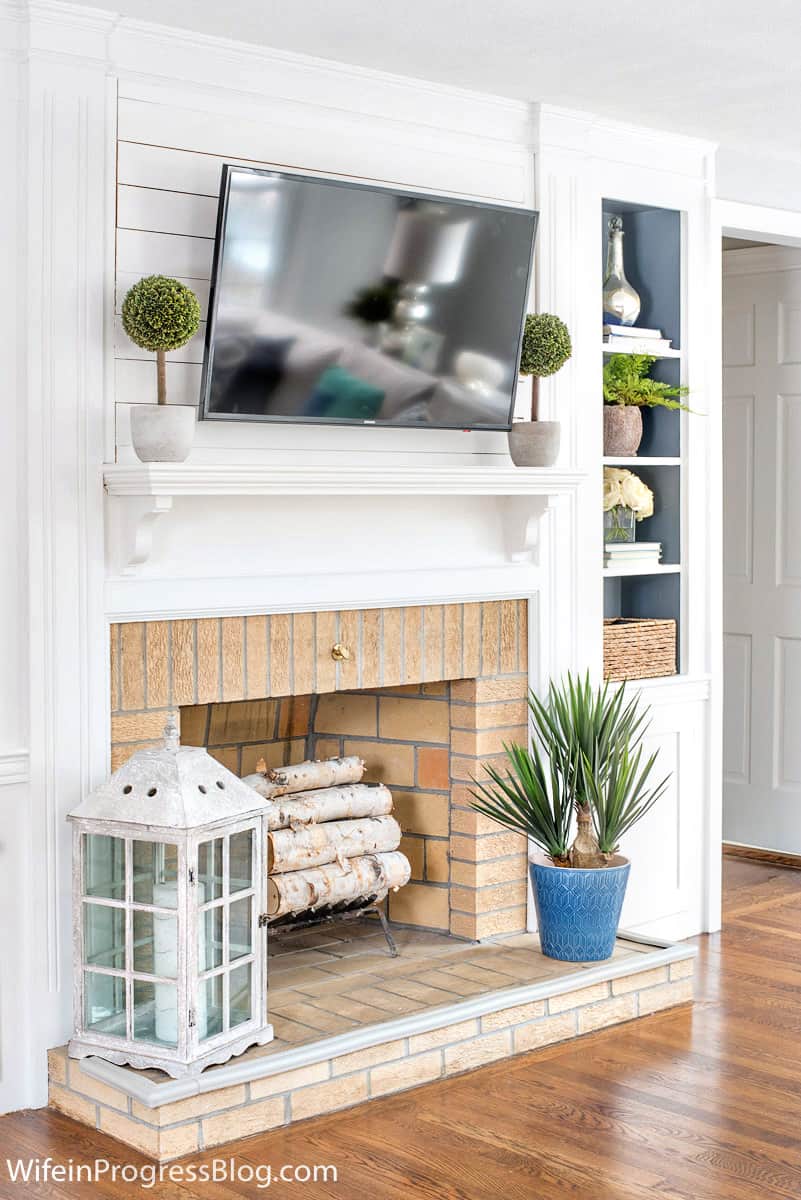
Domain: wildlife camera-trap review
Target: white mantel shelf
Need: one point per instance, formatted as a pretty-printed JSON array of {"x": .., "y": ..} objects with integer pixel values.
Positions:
[
  {"x": 182, "y": 479},
  {"x": 148, "y": 490}
]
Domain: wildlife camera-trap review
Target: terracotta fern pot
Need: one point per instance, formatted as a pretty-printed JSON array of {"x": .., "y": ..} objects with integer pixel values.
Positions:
[{"x": 622, "y": 430}]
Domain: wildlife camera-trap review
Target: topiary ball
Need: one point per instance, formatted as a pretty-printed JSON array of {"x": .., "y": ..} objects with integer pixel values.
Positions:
[
  {"x": 160, "y": 313},
  {"x": 546, "y": 345}
]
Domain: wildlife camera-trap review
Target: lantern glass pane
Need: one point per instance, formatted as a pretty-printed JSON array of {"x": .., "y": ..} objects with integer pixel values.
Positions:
[
  {"x": 155, "y": 874},
  {"x": 103, "y": 866},
  {"x": 155, "y": 944},
  {"x": 241, "y": 995},
  {"x": 155, "y": 1012},
  {"x": 210, "y": 939},
  {"x": 210, "y": 1007},
  {"x": 104, "y": 1003},
  {"x": 241, "y": 860},
  {"x": 210, "y": 870},
  {"x": 104, "y": 936},
  {"x": 240, "y": 933}
]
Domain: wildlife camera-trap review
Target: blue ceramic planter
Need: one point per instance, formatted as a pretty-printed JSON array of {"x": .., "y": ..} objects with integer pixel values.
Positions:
[{"x": 578, "y": 911}]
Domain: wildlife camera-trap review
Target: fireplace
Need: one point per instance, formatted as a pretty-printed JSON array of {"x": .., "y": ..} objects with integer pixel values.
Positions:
[{"x": 423, "y": 694}]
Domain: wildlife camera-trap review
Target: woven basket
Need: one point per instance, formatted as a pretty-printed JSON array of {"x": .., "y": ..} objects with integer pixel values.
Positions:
[{"x": 639, "y": 649}]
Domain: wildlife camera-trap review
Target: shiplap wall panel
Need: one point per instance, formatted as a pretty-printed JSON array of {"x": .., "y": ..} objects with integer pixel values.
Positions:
[
  {"x": 166, "y": 212},
  {"x": 136, "y": 382},
  {"x": 144, "y": 253}
]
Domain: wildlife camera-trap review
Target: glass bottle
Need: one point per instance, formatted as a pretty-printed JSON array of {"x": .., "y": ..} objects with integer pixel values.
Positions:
[{"x": 621, "y": 302}]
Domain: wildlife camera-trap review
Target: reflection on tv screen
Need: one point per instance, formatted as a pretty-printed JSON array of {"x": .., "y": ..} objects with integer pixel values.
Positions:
[{"x": 336, "y": 302}]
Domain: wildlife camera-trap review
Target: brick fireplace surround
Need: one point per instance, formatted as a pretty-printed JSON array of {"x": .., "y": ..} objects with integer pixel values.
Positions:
[{"x": 427, "y": 695}]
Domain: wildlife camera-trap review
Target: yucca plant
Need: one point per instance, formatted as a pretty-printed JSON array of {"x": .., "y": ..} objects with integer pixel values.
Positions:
[
  {"x": 531, "y": 798},
  {"x": 585, "y": 758}
]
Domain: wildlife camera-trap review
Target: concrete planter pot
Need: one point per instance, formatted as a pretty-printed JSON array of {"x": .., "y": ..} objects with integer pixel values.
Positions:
[
  {"x": 534, "y": 443},
  {"x": 163, "y": 432},
  {"x": 622, "y": 430},
  {"x": 578, "y": 911}
]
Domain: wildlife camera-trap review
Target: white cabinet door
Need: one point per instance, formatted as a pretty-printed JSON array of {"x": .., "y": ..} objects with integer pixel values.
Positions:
[{"x": 762, "y": 548}]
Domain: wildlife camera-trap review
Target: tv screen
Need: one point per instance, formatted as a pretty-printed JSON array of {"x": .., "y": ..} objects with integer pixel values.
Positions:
[{"x": 342, "y": 303}]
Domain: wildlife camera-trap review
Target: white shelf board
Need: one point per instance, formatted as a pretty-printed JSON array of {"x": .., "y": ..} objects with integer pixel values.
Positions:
[
  {"x": 651, "y": 353},
  {"x": 643, "y": 461},
  {"x": 642, "y": 569},
  {"x": 385, "y": 479}
]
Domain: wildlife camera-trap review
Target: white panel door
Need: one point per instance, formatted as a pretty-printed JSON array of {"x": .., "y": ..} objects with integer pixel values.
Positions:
[{"x": 762, "y": 548}]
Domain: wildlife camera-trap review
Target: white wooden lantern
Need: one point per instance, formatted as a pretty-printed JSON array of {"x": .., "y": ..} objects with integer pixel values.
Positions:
[{"x": 169, "y": 878}]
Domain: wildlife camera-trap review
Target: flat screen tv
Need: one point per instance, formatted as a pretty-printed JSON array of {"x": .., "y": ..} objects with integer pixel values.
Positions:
[{"x": 341, "y": 303}]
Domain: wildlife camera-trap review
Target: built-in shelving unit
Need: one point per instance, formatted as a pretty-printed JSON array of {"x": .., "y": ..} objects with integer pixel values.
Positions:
[
  {"x": 653, "y": 261},
  {"x": 673, "y": 353}
]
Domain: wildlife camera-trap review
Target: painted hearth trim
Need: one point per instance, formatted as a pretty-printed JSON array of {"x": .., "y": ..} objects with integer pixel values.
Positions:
[{"x": 155, "y": 1095}]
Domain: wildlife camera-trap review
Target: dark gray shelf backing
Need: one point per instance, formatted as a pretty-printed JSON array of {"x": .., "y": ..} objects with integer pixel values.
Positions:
[
  {"x": 652, "y": 258},
  {"x": 665, "y": 525},
  {"x": 645, "y": 596}
]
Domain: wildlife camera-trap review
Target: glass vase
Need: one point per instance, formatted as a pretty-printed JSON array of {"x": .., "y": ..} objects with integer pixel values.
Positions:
[
  {"x": 619, "y": 524},
  {"x": 620, "y": 301}
]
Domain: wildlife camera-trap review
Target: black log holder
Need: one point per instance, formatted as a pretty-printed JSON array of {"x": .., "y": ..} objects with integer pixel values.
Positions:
[{"x": 354, "y": 910}]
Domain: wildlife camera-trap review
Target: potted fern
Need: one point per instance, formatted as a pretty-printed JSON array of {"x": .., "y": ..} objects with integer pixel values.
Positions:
[
  {"x": 628, "y": 388},
  {"x": 161, "y": 314},
  {"x": 587, "y": 765},
  {"x": 545, "y": 349}
]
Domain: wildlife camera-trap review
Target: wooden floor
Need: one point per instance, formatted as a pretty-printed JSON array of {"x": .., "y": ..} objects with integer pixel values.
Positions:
[{"x": 686, "y": 1105}]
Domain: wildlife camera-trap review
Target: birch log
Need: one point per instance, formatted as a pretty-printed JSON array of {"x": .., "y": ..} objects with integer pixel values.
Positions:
[
  {"x": 306, "y": 776},
  {"x": 316, "y": 845},
  {"x": 301, "y": 891},
  {"x": 330, "y": 804}
]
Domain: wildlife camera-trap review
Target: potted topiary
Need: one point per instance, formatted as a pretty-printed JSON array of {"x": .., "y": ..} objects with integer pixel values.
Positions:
[
  {"x": 586, "y": 760},
  {"x": 628, "y": 387},
  {"x": 161, "y": 314},
  {"x": 546, "y": 348}
]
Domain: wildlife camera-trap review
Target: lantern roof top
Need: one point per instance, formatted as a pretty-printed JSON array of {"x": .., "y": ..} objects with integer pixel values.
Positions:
[{"x": 178, "y": 787}]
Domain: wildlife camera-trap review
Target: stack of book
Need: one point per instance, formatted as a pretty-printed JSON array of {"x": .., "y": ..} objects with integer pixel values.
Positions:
[
  {"x": 629, "y": 339},
  {"x": 633, "y": 556}
]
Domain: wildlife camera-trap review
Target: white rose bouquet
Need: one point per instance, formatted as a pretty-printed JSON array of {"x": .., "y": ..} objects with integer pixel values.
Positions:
[{"x": 626, "y": 499}]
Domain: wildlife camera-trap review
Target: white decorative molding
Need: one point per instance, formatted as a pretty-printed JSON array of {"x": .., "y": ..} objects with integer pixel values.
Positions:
[
  {"x": 14, "y": 767},
  {"x": 141, "y": 521}
]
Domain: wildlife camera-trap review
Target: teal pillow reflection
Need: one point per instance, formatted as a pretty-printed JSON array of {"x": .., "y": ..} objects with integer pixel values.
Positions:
[{"x": 341, "y": 396}]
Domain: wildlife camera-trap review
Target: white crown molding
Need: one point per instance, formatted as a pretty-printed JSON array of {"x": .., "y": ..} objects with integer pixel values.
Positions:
[
  {"x": 753, "y": 260},
  {"x": 14, "y": 767}
]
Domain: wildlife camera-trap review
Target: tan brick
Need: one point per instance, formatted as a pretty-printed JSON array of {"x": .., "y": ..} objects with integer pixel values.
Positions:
[
  {"x": 574, "y": 999},
  {"x": 665, "y": 996},
  {"x": 466, "y": 770},
  {"x": 433, "y": 667},
  {"x": 405, "y": 1073},
  {"x": 493, "y": 845},
  {"x": 327, "y": 1097},
  {"x": 441, "y": 688},
  {"x": 94, "y": 1089},
  {"x": 191, "y": 1108},
  {"x": 466, "y": 820},
  {"x": 391, "y": 646},
  {"x": 510, "y": 623},
  {"x": 422, "y": 812},
  {"x": 545, "y": 1032},
  {"x": 242, "y": 1122},
  {"x": 243, "y": 721},
  {"x": 294, "y": 716},
  {"x": 77, "y": 1107},
  {"x": 471, "y": 649},
  {"x": 433, "y": 768},
  {"x": 140, "y": 727},
  {"x": 158, "y": 664},
  {"x": 233, "y": 657},
  {"x": 358, "y": 1059},
  {"x": 437, "y": 861},
  {"x": 287, "y": 1081},
  {"x": 443, "y": 1037},
  {"x": 387, "y": 762},
  {"x": 486, "y": 742},
  {"x": 57, "y": 1065},
  {"x": 490, "y": 637},
  {"x": 683, "y": 970},
  {"x": 414, "y": 849},
  {"x": 505, "y": 1017},
  {"x": 346, "y": 713},
  {"x": 506, "y": 920},
  {"x": 194, "y": 721},
  {"x": 463, "y": 925},
  {"x": 502, "y": 715},
  {"x": 326, "y": 634},
  {"x": 303, "y": 656},
  {"x": 633, "y": 983},
  {"x": 480, "y": 691},
  {"x": 452, "y": 650},
  {"x": 208, "y": 659},
  {"x": 114, "y": 666},
  {"x": 327, "y": 748},
  {"x": 280, "y": 654},
  {"x": 275, "y": 754},
  {"x": 350, "y": 622},
  {"x": 121, "y": 754},
  {"x": 227, "y": 755},
  {"x": 466, "y": 1055},
  {"x": 256, "y": 656},
  {"x": 486, "y": 899},
  {"x": 420, "y": 904},
  {"x": 142, "y": 1137},
  {"x": 412, "y": 645},
  {"x": 413, "y": 720},
  {"x": 371, "y": 648},
  {"x": 132, "y": 665},
  {"x": 173, "y": 1143},
  {"x": 484, "y": 874},
  {"x": 182, "y": 640},
  {"x": 607, "y": 1012}
]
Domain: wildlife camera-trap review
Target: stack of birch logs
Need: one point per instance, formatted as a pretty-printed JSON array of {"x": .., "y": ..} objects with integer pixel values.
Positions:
[{"x": 331, "y": 841}]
